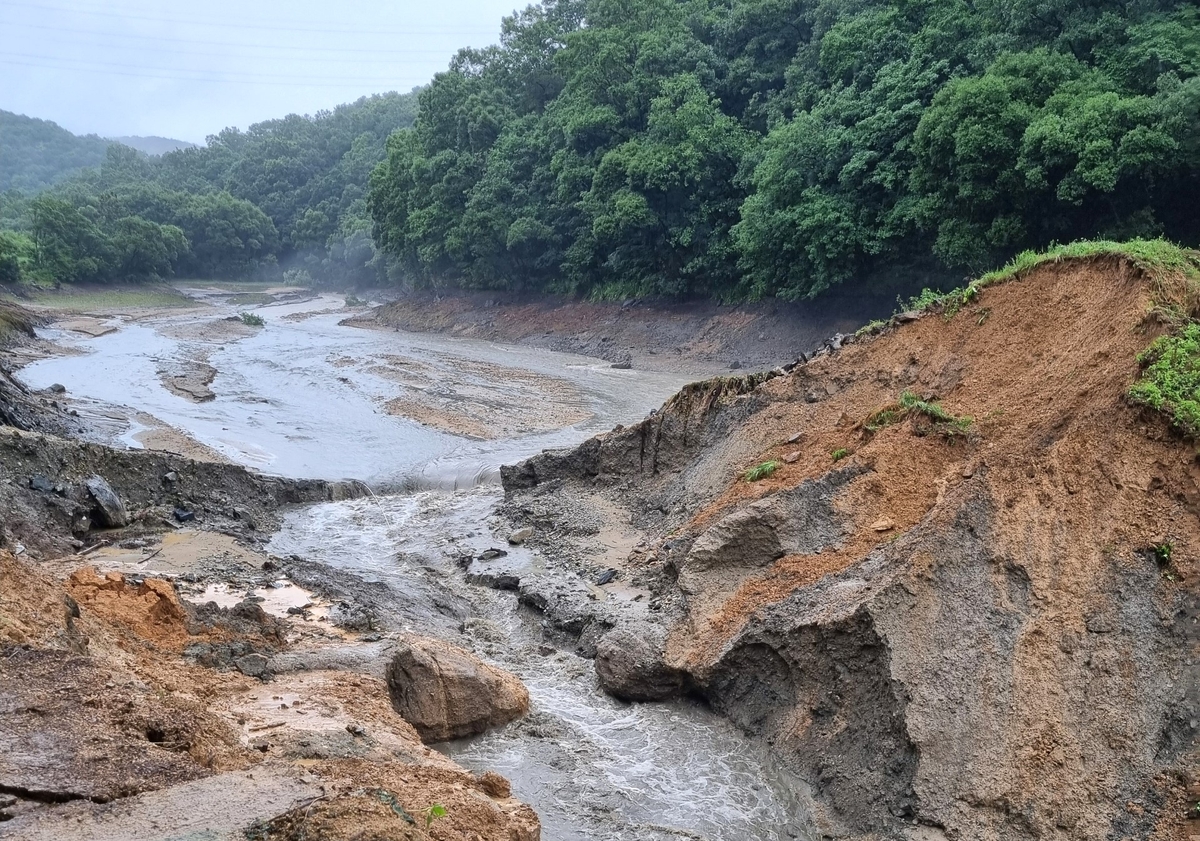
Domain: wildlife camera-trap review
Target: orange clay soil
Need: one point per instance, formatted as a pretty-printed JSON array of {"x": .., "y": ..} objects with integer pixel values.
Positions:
[
  {"x": 1041, "y": 364},
  {"x": 101, "y": 706}
]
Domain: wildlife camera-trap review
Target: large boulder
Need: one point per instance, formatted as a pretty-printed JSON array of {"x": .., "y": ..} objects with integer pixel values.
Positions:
[
  {"x": 630, "y": 664},
  {"x": 448, "y": 693},
  {"x": 108, "y": 504}
]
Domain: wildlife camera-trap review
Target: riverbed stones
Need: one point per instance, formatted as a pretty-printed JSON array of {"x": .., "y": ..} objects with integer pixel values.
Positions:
[
  {"x": 630, "y": 664},
  {"x": 520, "y": 536},
  {"x": 109, "y": 506},
  {"x": 446, "y": 693}
]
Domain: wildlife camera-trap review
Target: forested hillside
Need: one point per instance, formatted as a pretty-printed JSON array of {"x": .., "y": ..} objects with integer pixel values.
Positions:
[
  {"x": 745, "y": 148},
  {"x": 37, "y": 153},
  {"x": 288, "y": 192}
]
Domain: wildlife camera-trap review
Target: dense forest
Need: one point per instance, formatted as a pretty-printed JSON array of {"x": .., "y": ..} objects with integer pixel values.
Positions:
[
  {"x": 37, "y": 153},
  {"x": 748, "y": 148},
  {"x": 726, "y": 148},
  {"x": 289, "y": 193}
]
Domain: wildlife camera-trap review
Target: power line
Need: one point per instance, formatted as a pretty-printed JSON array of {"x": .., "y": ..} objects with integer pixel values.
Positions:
[
  {"x": 391, "y": 85},
  {"x": 273, "y": 27},
  {"x": 221, "y": 43},
  {"x": 243, "y": 24},
  {"x": 251, "y": 56},
  {"x": 39, "y": 57}
]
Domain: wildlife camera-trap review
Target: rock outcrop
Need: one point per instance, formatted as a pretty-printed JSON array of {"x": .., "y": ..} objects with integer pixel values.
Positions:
[{"x": 448, "y": 693}]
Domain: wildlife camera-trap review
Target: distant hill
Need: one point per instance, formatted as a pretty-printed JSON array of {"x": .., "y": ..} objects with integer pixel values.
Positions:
[
  {"x": 153, "y": 145},
  {"x": 37, "y": 153}
]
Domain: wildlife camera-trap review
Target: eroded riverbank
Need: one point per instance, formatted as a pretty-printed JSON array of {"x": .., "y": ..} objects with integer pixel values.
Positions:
[{"x": 306, "y": 396}]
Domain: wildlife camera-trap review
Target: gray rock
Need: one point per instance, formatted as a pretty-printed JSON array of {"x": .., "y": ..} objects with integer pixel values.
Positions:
[
  {"x": 351, "y": 617},
  {"x": 630, "y": 664},
  {"x": 253, "y": 665},
  {"x": 41, "y": 483},
  {"x": 520, "y": 536},
  {"x": 108, "y": 504}
]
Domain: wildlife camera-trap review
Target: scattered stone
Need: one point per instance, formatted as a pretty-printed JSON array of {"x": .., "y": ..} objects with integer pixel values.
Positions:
[
  {"x": 792, "y": 458},
  {"x": 182, "y": 515},
  {"x": 351, "y": 617},
  {"x": 492, "y": 554},
  {"x": 112, "y": 510},
  {"x": 494, "y": 785},
  {"x": 356, "y": 730},
  {"x": 520, "y": 536},
  {"x": 605, "y": 577},
  {"x": 905, "y": 317},
  {"x": 735, "y": 365},
  {"x": 795, "y": 439},
  {"x": 57, "y": 388},
  {"x": 623, "y": 365},
  {"x": 41, "y": 483},
  {"x": 253, "y": 665},
  {"x": 448, "y": 693},
  {"x": 171, "y": 478},
  {"x": 546, "y": 650},
  {"x": 497, "y": 581},
  {"x": 631, "y": 665},
  {"x": 883, "y": 524}
]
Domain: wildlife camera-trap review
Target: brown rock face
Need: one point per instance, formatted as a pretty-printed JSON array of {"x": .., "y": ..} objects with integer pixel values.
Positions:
[{"x": 448, "y": 693}]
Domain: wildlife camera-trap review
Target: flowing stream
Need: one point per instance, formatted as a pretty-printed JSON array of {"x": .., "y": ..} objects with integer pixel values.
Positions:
[{"x": 308, "y": 398}]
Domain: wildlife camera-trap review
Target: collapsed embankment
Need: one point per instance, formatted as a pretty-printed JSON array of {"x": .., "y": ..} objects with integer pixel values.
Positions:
[
  {"x": 50, "y": 510},
  {"x": 963, "y": 599}
]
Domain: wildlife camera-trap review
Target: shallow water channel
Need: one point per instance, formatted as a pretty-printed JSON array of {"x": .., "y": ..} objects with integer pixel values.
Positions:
[{"x": 592, "y": 767}]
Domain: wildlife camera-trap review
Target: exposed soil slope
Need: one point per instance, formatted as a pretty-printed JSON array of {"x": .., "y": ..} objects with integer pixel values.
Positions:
[
  {"x": 983, "y": 630},
  {"x": 691, "y": 337}
]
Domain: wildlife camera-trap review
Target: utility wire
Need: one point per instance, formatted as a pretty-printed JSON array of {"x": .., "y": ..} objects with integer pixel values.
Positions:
[
  {"x": 248, "y": 56},
  {"x": 295, "y": 76},
  {"x": 388, "y": 85},
  {"x": 265, "y": 24},
  {"x": 221, "y": 43}
]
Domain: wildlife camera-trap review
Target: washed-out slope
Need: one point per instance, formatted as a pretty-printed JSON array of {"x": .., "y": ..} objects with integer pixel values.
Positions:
[{"x": 983, "y": 630}]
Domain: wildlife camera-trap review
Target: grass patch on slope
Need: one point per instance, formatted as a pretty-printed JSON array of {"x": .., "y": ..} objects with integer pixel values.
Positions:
[
  {"x": 1170, "y": 377},
  {"x": 1174, "y": 272}
]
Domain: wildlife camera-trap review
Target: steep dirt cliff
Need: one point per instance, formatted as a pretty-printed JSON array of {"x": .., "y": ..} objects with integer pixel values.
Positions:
[{"x": 965, "y": 603}]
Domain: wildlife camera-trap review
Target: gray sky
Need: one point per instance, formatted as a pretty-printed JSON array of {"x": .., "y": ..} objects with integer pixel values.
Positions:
[{"x": 189, "y": 70}]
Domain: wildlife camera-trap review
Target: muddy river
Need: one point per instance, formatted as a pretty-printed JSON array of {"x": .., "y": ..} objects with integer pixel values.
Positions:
[{"x": 426, "y": 421}]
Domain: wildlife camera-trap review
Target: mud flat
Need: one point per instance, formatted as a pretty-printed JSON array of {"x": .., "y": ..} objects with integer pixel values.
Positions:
[{"x": 978, "y": 621}]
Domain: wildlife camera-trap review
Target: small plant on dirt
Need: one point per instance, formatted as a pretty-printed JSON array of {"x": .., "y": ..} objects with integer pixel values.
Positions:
[
  {"x": 1162, "y": 553},
  {"x": 434, "y": 812},
  {"x": 934, "y": 411},
  {"x": 840, "y": 453},
  {"x": 870, "y": 329},
  {"x": 353, "y": 300},
  {"x": 909, "y": 403},
  {"x": 252, "y": 320},
  {"x": 761, "y": 471}
]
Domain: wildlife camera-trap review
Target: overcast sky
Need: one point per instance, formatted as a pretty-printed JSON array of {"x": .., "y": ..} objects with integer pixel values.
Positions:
[{"x": 189, "y": 70}]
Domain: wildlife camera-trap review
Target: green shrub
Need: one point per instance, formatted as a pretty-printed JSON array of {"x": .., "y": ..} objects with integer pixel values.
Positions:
[
  {"x": 251, "y": 319},
  {"x": 840, "y": 453},
  {"x": 1170, "y": 380},
  {"x": 761, "y": 471}
]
